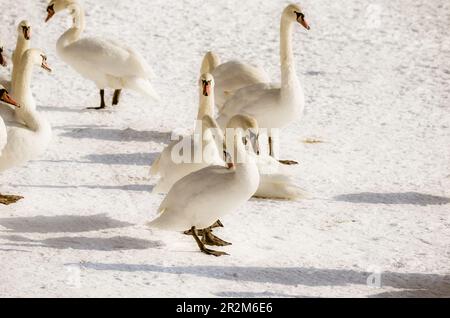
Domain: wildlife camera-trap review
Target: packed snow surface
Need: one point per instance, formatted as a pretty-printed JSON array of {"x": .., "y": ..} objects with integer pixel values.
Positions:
[{"x": 373, "y": 148}]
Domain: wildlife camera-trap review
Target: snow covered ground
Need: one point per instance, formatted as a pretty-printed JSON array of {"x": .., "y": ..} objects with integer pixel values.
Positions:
[{"x": 376, "y": 79}]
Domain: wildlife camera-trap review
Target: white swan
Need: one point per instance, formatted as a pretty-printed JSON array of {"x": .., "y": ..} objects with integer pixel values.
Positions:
[
  {"x": 202, "y": 146},
  {"x": 231, "y": 76},
  {"x": 108, "y": 64},
  {"x": 7, "y": 99},
  {"x": 23, "y": 44},
  {"x": 273, "y": 105},
  {"x": 202, "y": 197},
  {"x": 29, "y": 140}
]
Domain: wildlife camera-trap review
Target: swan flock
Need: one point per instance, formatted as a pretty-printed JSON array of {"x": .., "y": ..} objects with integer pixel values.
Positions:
[{"x": 204, "y": 175}]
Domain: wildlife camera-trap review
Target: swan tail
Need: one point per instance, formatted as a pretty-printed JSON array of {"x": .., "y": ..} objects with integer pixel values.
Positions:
[
  {"x": 269, "y": 189},
  {"x": 209, "y": 63},
  {"x": 142, "y": 86},
  {"x": 158, "y": 222},
  {"x": 154, "y": 169}
]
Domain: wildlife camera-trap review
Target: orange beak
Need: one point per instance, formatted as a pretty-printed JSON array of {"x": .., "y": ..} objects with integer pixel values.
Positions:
[
  {"x": 8, "y": 99},
  {"x": 206, "y": 89},
  {"x": 303, "y": 22},
  {"x": 46, "y": 67}
]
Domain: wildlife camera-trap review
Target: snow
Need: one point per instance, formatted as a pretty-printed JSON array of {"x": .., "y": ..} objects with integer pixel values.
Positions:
[{"x": 376, "y": 84}]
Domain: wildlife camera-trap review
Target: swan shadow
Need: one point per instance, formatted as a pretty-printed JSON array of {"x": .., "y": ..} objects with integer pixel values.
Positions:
[
  {"x": 110, "y": 134},
  {"x": 60, "y": 109},
  {"x": 393, "y": 198},
  {"x": 139, "y": 159},
  {"x": 128, "y": 187},
  {"x": 61, "y": 223},
  {"x": 431, "y": 284},
  {"x": 254, "y": 295},
  {"x": 116, "y": 243}
]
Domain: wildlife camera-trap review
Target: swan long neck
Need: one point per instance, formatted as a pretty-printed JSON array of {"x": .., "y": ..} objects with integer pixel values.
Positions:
[
  {"x": 206, "y": 105},
  {"x": 290, "y": 84},
  {"x": 22, "y": 88},
  {"x": 78, "y": 26},
  {"x": 36, "y": 123},
  {"x": 21, "y": 46}
]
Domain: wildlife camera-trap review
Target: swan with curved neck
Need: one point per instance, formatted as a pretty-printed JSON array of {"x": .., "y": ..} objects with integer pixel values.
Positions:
[
  {"x": 174, "y": 163},
  {"x": 29, "y": 140},
  {"x": 23, "y": 44},
  {"x": 273, "y": 105},
  {"x": 106, "y": 63},
  {"x": 231, "y": 76},
  {"x": 195, "y": 202}
]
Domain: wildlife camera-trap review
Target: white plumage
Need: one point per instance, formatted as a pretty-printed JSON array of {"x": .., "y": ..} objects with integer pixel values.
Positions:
[{"x": 231, "y": 76}]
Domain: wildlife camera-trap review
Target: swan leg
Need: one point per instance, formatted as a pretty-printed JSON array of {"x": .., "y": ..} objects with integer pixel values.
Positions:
[
  {"x": 202, "y": 247},
  {"x": 9, "y": 199},
  {"x": 102, "y": 100},
  {"x": 201, "y": 232},
  {"x": 116, "y": 97},
  {"x": 284, "y": 162}
]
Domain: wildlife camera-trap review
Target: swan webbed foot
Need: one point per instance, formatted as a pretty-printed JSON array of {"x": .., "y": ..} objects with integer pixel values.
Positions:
[
  {"x": 97, "y": 108},
  {"x": 102, "y": 101},
  {"x": 116, "y": 97},
  {"x": 210, "y": 239},
  {"x": 9, "y": 199},
  {"x": 288, "y": 162},
  {"x": 202, "y": 247}
]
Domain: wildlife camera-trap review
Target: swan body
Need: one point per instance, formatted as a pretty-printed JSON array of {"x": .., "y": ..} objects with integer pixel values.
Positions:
[
  {"x": 200, "y": 198},
  {"x": 231, "y": 76},
  {"x": 29, "y": 140},
  {"x": 273, "y": 105},
  {"x": 202, "y": 147},
  {"x": 107, "y": 63},
  {"x": 275, "y": 181}
]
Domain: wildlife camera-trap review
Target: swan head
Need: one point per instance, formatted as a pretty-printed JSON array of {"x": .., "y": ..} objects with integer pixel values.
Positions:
[
  {"x": 6, "y": 98},
  {"x": 55, "y": 6},
  {"x": 2, "y": 57},
  {"x": 24, "y": 30},
  {"x": 243, "y": 127},
  {"x": 38, "y": 57},
  {"x": 294, "y": 13},
  {"x": 206, "y": 83}
]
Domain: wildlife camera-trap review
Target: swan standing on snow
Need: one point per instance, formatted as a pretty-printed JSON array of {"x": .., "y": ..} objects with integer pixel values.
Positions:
[
  {"x": 5, "y": 98},
  {"x": 29, "y": 140},
  {"x": 202, "y": 197},
  {"x": 273, "y": 105},
  {"x": 106, "y": 63},
  {"x": 231, "y": 76},
  {"x": 202, "y": 145}
]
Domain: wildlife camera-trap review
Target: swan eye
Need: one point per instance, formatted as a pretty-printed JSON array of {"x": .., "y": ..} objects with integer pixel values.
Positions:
[
  {"x": 51, "y": 8},
  {"x": 1, "y": 50},
  {"x": 299, "y": 15}
]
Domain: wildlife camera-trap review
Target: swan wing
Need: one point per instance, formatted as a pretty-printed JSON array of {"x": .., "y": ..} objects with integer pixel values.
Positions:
[
  {"x": 194, "y": 185},
  {"x": 108, "y": 57}
]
